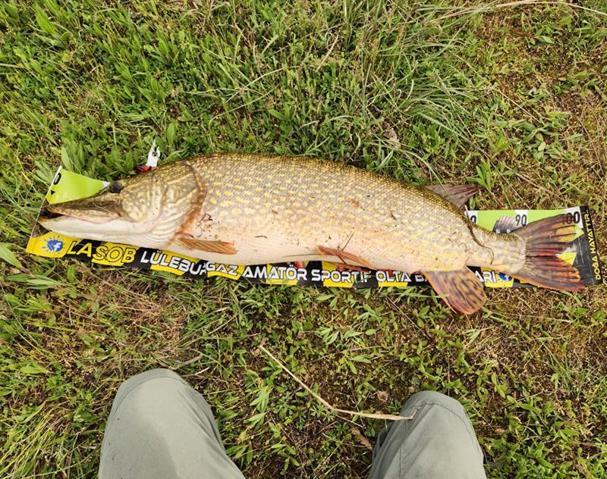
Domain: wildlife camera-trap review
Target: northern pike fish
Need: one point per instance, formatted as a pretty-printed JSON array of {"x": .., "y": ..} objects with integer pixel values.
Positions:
[{"x": 256, "y": 209}]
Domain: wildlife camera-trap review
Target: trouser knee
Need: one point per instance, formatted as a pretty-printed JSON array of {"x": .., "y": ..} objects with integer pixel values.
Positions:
[
  {"x": 424, "y": 398},
  {"x": 149, "y": 375},
  {"x": 154, "y": 385}
]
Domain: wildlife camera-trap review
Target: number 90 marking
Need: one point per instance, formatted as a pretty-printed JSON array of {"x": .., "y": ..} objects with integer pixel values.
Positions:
[{"x": 521, "y": 219}]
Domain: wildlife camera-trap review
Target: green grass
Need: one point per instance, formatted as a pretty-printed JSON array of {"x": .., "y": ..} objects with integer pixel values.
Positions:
[{"x": 514, "y": 100}]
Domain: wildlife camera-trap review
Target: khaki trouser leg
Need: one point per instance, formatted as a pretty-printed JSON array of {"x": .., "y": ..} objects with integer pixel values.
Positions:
[
  {"x": 439, "y": 442},
  {"x": 160, "y": 427}
]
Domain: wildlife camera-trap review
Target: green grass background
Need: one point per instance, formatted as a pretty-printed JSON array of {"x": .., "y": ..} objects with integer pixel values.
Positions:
[{"x": 513, "y": 99}]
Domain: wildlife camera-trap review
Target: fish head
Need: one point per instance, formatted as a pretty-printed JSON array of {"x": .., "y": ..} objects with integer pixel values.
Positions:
[{"x": 126, "y": 211}]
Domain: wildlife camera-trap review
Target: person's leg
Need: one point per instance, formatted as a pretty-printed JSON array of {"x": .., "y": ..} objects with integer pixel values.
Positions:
[
  {"x": 160, "y": 427},
  {"x": 439, "y": 442}
]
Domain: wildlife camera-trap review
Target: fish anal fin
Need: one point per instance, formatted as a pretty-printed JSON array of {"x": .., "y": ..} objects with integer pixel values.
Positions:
[
  {"x": 210, "y": 246},
  {"x": 460, "y": 289},
  {"x": 456, "y": 194},
  {"x": 346, "y": 258}
]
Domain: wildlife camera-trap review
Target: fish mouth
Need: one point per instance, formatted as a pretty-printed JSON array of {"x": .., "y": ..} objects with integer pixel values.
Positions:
[
  {"x": 89, "y": 219},
  {"x": 90, "y": 210},
  {"x": 48, "y": 214}
]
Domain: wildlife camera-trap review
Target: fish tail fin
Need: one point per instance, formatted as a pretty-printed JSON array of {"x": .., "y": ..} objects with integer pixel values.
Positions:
[{"x": 545, "y": 239}]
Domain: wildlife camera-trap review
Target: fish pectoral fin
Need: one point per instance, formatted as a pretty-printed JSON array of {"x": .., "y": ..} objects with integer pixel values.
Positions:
[
  {"x": 210, "y": 246},
  {"x": 461, "y": 289},
  {"x": 456, "y": 194},
  {"x": 346, "y": 258}
]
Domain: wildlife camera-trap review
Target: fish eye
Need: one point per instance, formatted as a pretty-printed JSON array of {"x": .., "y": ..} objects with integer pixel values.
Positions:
[{"x": 115, "y": 187}]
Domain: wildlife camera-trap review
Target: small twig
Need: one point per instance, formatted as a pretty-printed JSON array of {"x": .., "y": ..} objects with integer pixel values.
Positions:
[
  {"x": 484, "y": 8},
  {"x": 387, "y": 417},
  {"x": 189, "y": 361},
  {"x": 324, "y": 58}
]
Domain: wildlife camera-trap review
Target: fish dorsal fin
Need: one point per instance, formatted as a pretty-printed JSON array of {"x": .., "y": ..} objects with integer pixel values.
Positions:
[
  {"x": 460, "y": 289},
  {"x": 456, "y": 194},
  {"x": 505, "y": 224},
  {"x": 209, "y": 246}
]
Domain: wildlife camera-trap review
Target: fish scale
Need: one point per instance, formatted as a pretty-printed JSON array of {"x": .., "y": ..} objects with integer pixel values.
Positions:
[{"x": 352, "y": 209}]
